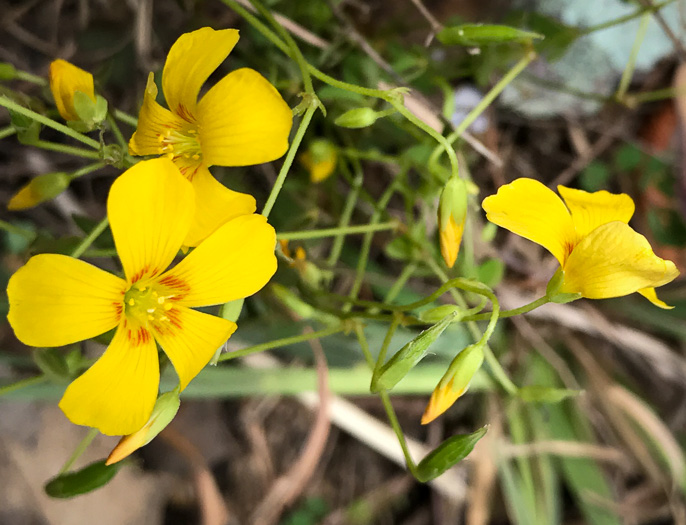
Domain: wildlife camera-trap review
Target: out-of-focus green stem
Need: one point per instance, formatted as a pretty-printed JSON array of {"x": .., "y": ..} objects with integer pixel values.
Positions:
[
  {"x": 631, "y": 64},
  {"x": 330, "y": 232},
  {"x": 90, "y": 238}
]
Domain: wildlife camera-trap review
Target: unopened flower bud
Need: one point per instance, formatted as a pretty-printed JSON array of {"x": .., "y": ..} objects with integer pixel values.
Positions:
[
  {"x": 452, "y": 212},
  {"x": 455, "y": 382},
  {"x": 320, "y": 160},
  {"x": 358, "y": 118},
  {"x": 40, "y": 189},
  {"x": 163, "y": 413},
  {"x": 65, "y": 81}
]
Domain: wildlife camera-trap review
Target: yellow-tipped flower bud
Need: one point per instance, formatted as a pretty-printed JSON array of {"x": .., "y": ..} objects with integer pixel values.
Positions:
[
  {"x": 320, "y": 160},
  {"x": 455, "y": 382},
  {"x": 163, "y": 413},
  {"x": 65, "y": 81},
  {"x": 40, "y": 189},
  {"x": 452, "y": 211}
]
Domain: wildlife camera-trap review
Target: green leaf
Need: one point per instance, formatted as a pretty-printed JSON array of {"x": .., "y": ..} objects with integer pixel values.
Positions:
[
  {"x": 595, "y": 176},
  {"x": 545, "y": 394},
  {"x": 82, "y": 481},
  {"x": 483, "y": 34},
  {"x": 408, "y": 356},
  {"x": 491, "y": 272},
  {"x": 53, "y": 364},
  {"x": 448, "y": 454}
]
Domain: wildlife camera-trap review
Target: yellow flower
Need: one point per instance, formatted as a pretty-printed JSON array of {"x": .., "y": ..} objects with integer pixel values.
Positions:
[
  {"x": 65, "y": 80},
  {"x": 600, "y": 255},
  {"x": 57, "y": 300},
  {"x": 240, "y": 121},
  {"x": 320, "y": 160}
]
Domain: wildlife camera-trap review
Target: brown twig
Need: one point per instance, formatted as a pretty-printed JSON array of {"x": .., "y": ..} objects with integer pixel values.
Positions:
[{"x": 288, "y": 487}]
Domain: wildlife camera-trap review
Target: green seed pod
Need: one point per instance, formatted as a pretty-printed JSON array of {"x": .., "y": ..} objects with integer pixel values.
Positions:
[
  {"x": 408, "y": 356},
  {"x": 87, "y": 479},
  {"x": 448, "y": 454}
]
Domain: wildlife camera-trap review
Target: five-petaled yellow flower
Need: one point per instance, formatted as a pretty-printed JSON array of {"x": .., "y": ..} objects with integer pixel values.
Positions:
[
  {"x": 600, "y": 255},
  {"x": 240, "y": 121},
  {"x": 57, "y": 300}
]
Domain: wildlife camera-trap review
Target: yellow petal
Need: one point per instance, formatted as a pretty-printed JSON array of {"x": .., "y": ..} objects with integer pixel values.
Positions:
[
  {"x": 450, "y": 239},
  {"x": 191, "y": 339},
  {"x": 590, "y": 210},
  {"x": 243, "y": 121},
  {"x": 612, "y": 261},
  {"x": 65, "y": 80},
  {"x": 151, "y": 208},
  {"x": 215, "y": 205},
  {"x": 234, "y": 262},
  {"x": 117, "y": 394},
  {"x": 528, "y": 208},
  {"x": 154, "y": 122},
  {"x": 56, "y": 300},
  {"x": 191, "y": 60},
  {"x": 651, "y": 295},
  {"x": 442, "y": 398}
]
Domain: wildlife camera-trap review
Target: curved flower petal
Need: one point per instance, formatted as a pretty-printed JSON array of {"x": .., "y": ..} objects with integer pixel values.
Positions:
[
  {"x": 215, "y": 205},
  {"x": 234, "y": 262},
  {"x": 243, "y": 121},
  {"x": 56, "y": 300},
  {"x": 154, "y": 122},
  {"x": 529, "y": 209},
  {"x": 151, "y": 208},
  {"x": 651, "y": 295},
  {"x": 65, "y": 80},
  {"x": 191, "y": 339},
  {"x": 612, "y": 261},
  {"x": 590, "y": 210},
  {"x": 117, "y": 394},
  {"x": 191, "y": 60}
]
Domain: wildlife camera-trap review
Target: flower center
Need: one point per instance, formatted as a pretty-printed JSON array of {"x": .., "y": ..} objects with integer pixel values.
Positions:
[
  {"x": 147, "y": 304},
  {"x": 181, "y": 144}
]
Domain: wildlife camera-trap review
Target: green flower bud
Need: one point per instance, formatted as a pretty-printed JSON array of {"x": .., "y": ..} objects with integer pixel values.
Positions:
[
  {"x": 452, "y": 212},
  {"x": 40, "y": 189}
]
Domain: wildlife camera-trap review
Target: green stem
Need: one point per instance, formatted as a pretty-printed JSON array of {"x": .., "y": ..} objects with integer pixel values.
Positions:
[
  {"x": 22, "y": 383},
  {"x": 432, "y": 132},
  {"x": 510, "y": 313},
  {"x": 388, "y": 406},
  {"x": 381, "y": 358},
  {"x": 6, "y": 132},
  {"x": 367, "y": 241},
  {"x": 483, "y": 104},
  {"x": 274, "y": 39},
  {"x": 90, "y": 238},
  {"x": 125, "y": 117},
  {"x": 372, "y": 155},
  {"x": 80, "y": 449},
  {"x": 330, "y": 232},
  {"x": 30, "y": 77},
  {"x": 16, "y": 230},
  {"x": 290, "y": 156},
  {"x": 62, "y": 148},
  {"x": 393, "y": 420},
  {"x": 117, "y": 132},
  {"x": 295, "y": 50},
  {"x": 631, "y": 65},
  {"x": 87, "y": 169},
  {"x": 652, "y": 96},
  {"x": 621, "y": 20},
  {"x": 18, "y": 108},
  {"x": 399, "y": 284},
  {"x": 347, "y": 213},
  {"x": 496, "y": 369},
  {"x": 278, "y": 343}
]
